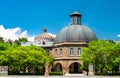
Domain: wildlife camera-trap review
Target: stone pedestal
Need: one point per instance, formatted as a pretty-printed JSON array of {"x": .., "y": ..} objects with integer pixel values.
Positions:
[
  {"x": 3, "y": 70},
  {"x": 84, "y": 72},
  {"x": 91, "y": 71},
  {"x": 46, "y": 70}
]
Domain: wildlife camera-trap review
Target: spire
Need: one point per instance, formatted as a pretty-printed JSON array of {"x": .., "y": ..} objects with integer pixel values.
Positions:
[
  {"x": 75, "y": 18},
  {"x": 45, "y": 30}
]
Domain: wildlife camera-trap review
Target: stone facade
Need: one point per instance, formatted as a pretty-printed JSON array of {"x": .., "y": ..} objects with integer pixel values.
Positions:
[
  {"x": 68, "y": 45},
  {"x": 63, "y": 60}
]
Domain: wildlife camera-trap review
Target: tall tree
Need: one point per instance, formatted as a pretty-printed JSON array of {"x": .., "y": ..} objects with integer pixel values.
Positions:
[
  {"x": 28, "y": 59},
  {"x": 23, "y": 39},
  {"x": 102, "y": 54},
  {"x": 10, "y": 41},
  {"x": 17, "y": 42}
]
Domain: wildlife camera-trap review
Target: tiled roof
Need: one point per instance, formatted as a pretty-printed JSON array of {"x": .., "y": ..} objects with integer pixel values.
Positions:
[{"x": 45, "y": 36}]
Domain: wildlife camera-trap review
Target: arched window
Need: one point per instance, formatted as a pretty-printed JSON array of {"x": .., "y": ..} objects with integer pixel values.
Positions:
[
  {"x": 71, "y": 52},
  {"x": 56, "y": 52},
  {"x": 61, "y": 52},
  {"x": 79, "y": 51}
]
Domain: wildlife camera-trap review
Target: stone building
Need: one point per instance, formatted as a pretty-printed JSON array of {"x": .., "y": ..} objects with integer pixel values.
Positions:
[
  {"x": 68, "y": 44},
  {"x": 43, "y": 40},
  {"x": 66, "y": 47}
]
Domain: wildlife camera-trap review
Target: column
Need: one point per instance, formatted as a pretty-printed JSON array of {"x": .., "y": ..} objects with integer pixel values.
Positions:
[
  {"x": 65, "y": 70},
  {"x": 46, "y": 70}
]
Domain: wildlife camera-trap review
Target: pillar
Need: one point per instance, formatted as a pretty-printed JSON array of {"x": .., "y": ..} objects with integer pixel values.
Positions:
[
  {"x": 66, "y": 70},
  {"x": 46, "y": 70}
]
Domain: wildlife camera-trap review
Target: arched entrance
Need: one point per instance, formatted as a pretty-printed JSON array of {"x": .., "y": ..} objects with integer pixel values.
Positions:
[
  {"x": 75, "y": 68},
  {"x": 58, "y": 67}
]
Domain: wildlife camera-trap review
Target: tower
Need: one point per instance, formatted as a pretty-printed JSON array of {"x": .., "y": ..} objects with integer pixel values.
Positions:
[{"x": 75, "y": 18}]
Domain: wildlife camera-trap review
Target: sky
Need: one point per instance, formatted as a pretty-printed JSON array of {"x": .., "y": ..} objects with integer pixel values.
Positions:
[{"x": 27, "y": 18}]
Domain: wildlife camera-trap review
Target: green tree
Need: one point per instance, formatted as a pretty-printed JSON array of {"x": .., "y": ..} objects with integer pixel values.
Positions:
[
  {"x": 23, "y": 40},
  {"x": 102, "y": 54},
  {"x": 1, "y": 39},
  {"x": 10, "y": 41},
  {"x": 17, "y": 42},
  {"x": 27, "y": 59}
]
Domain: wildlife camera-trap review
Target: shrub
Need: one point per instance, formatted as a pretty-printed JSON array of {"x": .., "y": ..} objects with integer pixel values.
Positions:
[
  {"x": 107, "y": 74},
  {"x": 55, "y": 73}
]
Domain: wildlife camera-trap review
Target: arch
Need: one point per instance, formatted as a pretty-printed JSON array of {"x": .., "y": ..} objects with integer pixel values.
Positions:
[
  {"x": 75, "y": 67},
  {"x": 58, "y": 67}
]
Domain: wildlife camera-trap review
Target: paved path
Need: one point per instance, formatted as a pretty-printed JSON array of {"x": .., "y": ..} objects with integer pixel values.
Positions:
[
  {"x": 65, "y": 76},
  {"x": 59, "y": 76}
]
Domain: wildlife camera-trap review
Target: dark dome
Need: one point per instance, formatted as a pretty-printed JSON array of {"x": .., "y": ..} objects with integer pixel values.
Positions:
[{"x": 75, "y": 33}]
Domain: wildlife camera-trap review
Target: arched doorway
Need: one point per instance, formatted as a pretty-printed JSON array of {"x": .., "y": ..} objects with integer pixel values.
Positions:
[
  {"x": 75, "y": 68},
  {"x": 58, "y": 67}
]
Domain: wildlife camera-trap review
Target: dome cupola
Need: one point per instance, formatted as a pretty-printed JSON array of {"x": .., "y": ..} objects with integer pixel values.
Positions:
[
  {"x": 44, "y": 37},
  {"x": 75, "y": 18},
  {"x": 76, "y": 31}
]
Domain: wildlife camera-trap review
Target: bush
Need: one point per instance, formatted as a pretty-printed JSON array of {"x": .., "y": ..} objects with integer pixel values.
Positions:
[
  {"x": 13, "y": 71},
  {"x": 55, "y": 73},
  {"x": 112, "y": 74}
]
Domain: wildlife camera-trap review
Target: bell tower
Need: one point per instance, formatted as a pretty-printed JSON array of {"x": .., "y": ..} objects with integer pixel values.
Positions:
[{"x": 75, "y": 18}]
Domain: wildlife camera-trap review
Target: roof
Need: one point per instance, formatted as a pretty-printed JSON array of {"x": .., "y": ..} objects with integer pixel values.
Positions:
[
  {"x": 75, "y": 13},
  {"x": 75, "y": 33},
  {"x": 44, "y": 37}
]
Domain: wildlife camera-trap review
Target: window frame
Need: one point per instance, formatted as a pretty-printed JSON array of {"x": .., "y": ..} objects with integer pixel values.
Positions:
[
  {"x": 79, "y": 51},
  {"x": 61, "y": 52},
  {"x": 56, "y": 53},
  {"x": 71, "y": 52}
]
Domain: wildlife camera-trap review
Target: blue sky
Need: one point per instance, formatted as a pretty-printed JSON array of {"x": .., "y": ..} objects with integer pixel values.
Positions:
[{"x": 102, "y": 16}]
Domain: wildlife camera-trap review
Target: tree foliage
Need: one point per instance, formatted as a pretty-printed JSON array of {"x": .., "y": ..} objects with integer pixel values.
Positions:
[
  {"x": 23, "y": 39},
  {"x": 18, "y": 42},
  {"x": 105, "y": 56},
  {"x": 24, "y": 59},
  {"x": 1, "y": 39}
]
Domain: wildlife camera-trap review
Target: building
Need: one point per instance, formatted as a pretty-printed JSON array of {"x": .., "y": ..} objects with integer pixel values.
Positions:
[
  {"x": 66, "y": 47},
  {"x": 68, "y": 44},
  {"x": 43, "y": 40}
]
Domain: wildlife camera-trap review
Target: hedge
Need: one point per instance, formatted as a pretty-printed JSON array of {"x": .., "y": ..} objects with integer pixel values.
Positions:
[
  {"x": 112, "y": 74},
  {"x": 55, "y": 73}
]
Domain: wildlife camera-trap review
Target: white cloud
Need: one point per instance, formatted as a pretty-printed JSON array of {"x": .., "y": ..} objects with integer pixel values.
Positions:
[
  {"x": 52, "y": 34},
  {"x": 118, "y": 35},
  {"x": 14, "y": 33}
]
